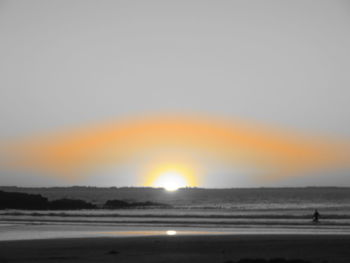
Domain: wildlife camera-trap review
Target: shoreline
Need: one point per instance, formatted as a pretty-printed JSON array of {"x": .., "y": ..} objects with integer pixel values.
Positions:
[
  {"x": 179, "y": 248},
  {"x": 36, "y": 231}
]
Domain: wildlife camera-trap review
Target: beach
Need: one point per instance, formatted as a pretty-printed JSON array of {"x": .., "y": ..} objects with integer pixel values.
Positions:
[
  {"x": 200, "y": 226},
  {"x": 186, "y": 248}
]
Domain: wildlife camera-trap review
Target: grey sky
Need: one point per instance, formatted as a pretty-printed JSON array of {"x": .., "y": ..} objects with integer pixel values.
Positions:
[{"x": 65, "y": 63}]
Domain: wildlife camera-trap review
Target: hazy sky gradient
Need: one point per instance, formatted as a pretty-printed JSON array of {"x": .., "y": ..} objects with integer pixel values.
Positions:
[{"x": 66, "y": 63}]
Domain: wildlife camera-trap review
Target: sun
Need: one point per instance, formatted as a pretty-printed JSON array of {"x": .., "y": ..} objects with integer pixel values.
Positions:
[
  {"x": 171, "y": 181},
  {"x": 170, "y": 175}
]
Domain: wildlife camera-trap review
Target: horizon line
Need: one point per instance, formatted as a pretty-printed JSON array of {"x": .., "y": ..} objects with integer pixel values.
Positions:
[{"x": 182, "y": 188}]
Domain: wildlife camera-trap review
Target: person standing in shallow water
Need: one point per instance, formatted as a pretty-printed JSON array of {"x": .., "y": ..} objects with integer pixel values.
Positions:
[{"x": 316, "y": 216}]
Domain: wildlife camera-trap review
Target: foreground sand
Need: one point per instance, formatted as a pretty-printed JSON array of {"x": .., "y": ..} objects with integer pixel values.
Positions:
[{"x": 315, "y": 248}]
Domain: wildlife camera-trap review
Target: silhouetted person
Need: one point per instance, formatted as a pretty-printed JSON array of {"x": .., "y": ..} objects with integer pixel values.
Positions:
[{"x": 316, "y": 216}]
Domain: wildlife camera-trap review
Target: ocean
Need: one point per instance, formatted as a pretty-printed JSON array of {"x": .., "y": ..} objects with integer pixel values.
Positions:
[{"x": 258, "y": 210}]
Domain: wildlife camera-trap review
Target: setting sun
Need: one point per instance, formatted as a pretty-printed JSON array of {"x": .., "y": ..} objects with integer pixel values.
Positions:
[
  {"x": 171, "y": 181},
  {"x": 171, "y": 176}
]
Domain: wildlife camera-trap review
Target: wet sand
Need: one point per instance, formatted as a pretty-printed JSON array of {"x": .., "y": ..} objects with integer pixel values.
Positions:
[{"x": 202, "y": 248}]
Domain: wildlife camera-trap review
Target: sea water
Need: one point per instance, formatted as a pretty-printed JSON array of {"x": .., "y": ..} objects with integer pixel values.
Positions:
[{"x": 225, "y": 211}]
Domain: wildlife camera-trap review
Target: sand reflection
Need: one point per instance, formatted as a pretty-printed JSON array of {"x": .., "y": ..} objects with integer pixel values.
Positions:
[
  {"x": 171, "y": 232},
  {"x": 158, "y": 233}
]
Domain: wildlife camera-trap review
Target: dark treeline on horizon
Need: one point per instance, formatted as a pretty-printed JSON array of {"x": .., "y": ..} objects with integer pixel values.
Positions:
[{"x": 14, "y": 200}]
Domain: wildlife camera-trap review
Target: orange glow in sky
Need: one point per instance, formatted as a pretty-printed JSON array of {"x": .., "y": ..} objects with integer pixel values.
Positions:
[{"x": 274, "y": 151}]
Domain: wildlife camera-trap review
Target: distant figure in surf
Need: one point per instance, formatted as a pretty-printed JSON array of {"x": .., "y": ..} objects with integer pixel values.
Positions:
[{"x": 316, "y": 216}]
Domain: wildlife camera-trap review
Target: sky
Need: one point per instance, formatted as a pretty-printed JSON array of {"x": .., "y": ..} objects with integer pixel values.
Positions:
[{"x": 71, "y": 64}]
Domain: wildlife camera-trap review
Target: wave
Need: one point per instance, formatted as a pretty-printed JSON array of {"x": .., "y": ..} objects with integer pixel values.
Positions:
[
  {"x": 188, "y": 215},
  {"x": 184, "y": 223}
]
